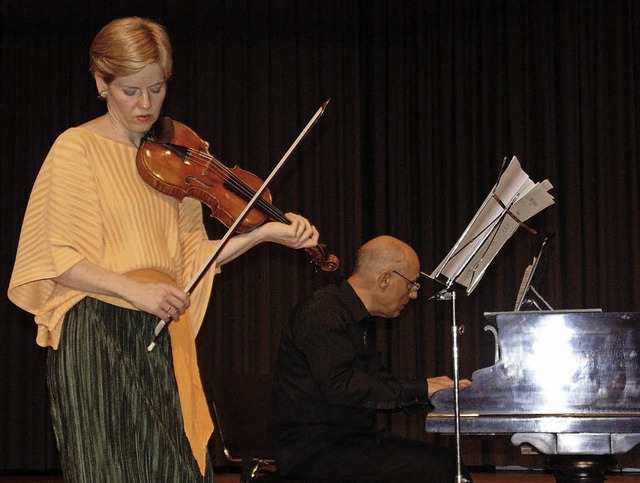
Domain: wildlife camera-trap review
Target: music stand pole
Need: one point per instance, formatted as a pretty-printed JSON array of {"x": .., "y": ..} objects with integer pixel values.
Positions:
[{"x": 451, "y": 295}]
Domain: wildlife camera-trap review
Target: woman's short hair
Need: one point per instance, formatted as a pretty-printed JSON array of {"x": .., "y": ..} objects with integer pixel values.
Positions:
[{"x": 125, "y": 46}]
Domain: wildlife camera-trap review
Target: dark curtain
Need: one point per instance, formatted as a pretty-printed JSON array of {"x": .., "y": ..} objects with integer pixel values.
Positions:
[{"x": 427, "y": 98}]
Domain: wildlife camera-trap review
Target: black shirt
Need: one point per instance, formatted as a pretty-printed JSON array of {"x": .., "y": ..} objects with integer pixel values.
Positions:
[{"x": 329, "y": 378}]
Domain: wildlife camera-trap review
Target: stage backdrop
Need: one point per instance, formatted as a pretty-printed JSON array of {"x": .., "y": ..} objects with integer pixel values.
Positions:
[{"x": 427, "y": 98}]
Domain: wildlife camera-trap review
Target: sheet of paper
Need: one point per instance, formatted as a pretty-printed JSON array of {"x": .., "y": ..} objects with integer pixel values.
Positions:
[{"x": 492, "y": 226}]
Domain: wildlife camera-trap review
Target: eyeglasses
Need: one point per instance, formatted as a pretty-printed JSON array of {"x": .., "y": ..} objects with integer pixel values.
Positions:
[{"x": 415, "y": 285}]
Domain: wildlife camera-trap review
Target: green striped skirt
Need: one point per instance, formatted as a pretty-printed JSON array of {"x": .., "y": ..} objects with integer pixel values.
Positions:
[{"x": 115, "y": 407}]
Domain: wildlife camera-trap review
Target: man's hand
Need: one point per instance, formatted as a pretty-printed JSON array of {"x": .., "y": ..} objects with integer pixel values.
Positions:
[{"x": 444, "y": 382}]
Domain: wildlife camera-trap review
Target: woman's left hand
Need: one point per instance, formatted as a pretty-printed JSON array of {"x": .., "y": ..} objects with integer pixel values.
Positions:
[{"x": 299, "y": 234}]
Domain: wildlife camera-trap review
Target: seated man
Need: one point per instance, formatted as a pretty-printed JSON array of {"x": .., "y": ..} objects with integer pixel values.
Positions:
[{"x": 329, "y": 381}]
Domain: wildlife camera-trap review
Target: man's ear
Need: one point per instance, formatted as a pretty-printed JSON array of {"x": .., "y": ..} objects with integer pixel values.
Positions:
[{"x": 383, "y": 280}]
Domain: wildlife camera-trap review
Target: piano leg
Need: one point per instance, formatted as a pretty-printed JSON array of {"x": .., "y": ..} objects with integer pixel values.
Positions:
[{"x": 580, "y": 468}]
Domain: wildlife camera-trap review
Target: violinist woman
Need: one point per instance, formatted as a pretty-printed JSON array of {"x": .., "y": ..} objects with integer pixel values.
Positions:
[{"x": 101, "y": 257}]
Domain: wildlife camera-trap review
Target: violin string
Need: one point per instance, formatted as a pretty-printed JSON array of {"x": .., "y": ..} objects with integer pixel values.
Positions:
[
  {"x": 212, "y": 163},
  {"x": 238, "y": 185},
  {"x": 241, "y": 188}
]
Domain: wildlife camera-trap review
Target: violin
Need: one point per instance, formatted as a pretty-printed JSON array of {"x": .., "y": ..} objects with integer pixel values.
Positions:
[{"x": 174, "y": 160}]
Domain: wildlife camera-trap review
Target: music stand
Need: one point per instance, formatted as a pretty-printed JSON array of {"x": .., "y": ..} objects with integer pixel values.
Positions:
[
  {"x": 527, "y": 283},
  {"x": 514, "y": 199}
]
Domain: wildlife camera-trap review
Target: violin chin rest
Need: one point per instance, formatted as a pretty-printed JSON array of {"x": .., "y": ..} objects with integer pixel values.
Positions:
[{"x": 163, "y": 131}]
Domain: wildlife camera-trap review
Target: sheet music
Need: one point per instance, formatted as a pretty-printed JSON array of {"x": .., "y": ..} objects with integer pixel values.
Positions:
[
  {"x": 523, "y": 286},
  {"x": 492, "y": 225}
]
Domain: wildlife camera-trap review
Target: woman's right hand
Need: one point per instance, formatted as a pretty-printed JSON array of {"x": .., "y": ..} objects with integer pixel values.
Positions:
[{"x": 164, "y": 300}]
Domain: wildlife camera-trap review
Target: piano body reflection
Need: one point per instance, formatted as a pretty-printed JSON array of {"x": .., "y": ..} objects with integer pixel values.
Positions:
[{"x": 567, "y": 383}]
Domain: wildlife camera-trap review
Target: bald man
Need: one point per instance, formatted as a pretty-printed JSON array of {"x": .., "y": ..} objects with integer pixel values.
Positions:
[{"x": 329, "y": 381}]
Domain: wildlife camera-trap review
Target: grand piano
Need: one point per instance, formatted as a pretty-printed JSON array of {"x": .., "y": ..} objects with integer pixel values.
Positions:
[{"x": 565, "y": 382}]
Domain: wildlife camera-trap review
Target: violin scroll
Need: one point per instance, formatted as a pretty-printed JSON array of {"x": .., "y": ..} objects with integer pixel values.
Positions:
[{"x": 327, "y": 263}]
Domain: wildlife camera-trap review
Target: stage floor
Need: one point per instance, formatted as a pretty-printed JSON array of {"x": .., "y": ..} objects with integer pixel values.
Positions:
[{"x": 227, "y": 477}]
